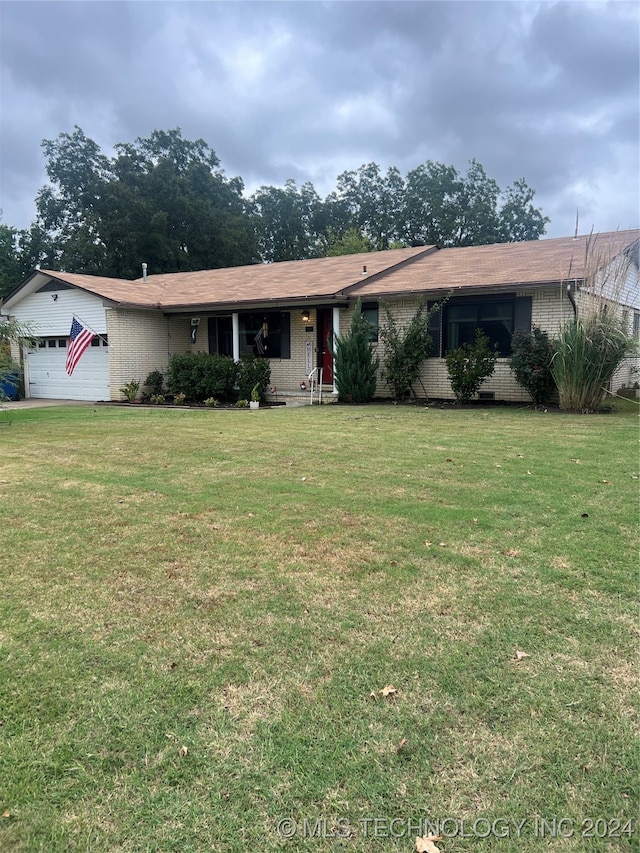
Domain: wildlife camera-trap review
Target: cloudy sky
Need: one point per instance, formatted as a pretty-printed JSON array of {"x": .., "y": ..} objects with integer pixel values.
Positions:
[{"x": 544, "y": 91}]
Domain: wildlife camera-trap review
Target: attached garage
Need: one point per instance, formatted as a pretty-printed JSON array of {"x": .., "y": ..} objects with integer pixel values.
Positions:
[{"x": 46, "y": 376}]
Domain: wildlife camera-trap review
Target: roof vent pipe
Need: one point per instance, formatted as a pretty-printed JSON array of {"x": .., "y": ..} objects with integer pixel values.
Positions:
[
  {"x": 364, "y": 269},
  {"x": 144, "y": 272}
]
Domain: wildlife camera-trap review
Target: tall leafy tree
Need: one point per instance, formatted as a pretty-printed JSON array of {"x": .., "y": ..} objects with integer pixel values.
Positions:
[
  {"x": 10, "y": 262},
  {"x": 67, "y": 228},
  {"x": 289, "y": 222},
  {"x": 430, "y": 204},
  {"x": 350, "y": 242},
  {"x": 476, "y": 209},
  {"x": 162, "y": 199},
  {"x": 374, "y": 202},
  {"x": 518, "y": 218}
]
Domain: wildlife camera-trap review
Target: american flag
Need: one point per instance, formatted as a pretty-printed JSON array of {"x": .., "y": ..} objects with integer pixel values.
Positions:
[{"x": 79, "y": 339}]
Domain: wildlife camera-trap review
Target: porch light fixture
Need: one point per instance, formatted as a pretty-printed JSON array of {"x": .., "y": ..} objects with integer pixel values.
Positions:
[{"x": 305, "y": 316}]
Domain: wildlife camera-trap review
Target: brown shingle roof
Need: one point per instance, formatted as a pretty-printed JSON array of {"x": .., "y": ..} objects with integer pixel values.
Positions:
[
  {"x": 115, "y": 289},
  {"x": 498, "y": 265},
  {"x": 396, "y": 271},
  {"x": 315, "y": 278}
]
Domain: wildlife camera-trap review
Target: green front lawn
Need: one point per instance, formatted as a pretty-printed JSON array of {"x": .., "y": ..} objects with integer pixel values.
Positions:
[{"x": 346, "y": 625}]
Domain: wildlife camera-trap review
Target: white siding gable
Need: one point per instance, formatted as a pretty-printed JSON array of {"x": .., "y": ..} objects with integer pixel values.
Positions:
[{"x": 49, "y": 316}]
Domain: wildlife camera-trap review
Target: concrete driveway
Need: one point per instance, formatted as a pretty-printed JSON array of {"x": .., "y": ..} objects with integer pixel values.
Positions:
[{"x": 37, "y": 403}]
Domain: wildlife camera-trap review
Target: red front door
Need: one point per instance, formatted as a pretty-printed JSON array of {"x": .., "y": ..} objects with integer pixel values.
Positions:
[{"x": 325, "y": 330}]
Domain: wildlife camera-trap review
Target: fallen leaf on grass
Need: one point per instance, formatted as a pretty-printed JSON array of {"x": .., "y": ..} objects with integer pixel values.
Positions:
[
  {"x": 512, "y": 552},
  {"x": 427, "y": 544},
  {"x": 183, "y": 751},
  {"x": 521, "y": 656},
  {"x": 387, "y": 691},
  {"x": 6, "y": 813},
  {"x": 402, "y": 743},
  {"x": 425, "y": 844}
]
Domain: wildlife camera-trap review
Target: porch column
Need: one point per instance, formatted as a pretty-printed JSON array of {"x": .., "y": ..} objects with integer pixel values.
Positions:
[
  {"x": 336, "y": 331},
  {"x": 235, "y": 335}
]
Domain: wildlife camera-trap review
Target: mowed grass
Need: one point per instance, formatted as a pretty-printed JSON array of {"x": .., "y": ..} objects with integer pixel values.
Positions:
[{"x": 200, "y": 612}]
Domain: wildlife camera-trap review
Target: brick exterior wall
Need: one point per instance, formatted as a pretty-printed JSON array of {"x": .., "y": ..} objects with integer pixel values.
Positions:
[
  {"x": 549, "y": 311},
  {"x": 139, "y": 342},
  {"x": 149, "y": 339}
]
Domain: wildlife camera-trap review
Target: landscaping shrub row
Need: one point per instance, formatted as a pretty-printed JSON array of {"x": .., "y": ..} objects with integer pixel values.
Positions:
[{"x": 200, "y": 377}]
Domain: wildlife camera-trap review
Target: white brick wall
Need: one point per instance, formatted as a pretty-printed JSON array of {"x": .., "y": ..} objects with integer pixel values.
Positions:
[
  {"x": 549, "y": 311},
  {"x": 139, "y": 342},
  {"x": 149, "y": 339}
]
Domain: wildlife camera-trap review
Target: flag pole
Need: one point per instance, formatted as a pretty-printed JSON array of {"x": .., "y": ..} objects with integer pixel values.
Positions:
[{"x": 87, "y": 326}]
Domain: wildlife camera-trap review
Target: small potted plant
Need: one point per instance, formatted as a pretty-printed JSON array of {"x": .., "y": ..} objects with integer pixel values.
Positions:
[
  {"x": 130, "y": 391},
  {"x": 255, "y": 397}
]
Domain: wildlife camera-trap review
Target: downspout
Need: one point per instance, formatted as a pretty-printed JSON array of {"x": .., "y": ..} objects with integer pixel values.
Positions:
[{"x": 571, "y": 299}]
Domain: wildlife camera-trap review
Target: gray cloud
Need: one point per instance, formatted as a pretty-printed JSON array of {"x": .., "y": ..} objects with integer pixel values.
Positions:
[{"x": 541, "y": 90}]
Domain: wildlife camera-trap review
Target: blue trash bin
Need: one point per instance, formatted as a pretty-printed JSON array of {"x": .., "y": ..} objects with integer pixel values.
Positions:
[{"x": 9, "y": 387}]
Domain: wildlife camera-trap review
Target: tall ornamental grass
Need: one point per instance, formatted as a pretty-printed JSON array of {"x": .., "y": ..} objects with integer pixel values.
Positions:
[
  {"x": 592, "y": 346},
  {"x": 588, "y": 353}
]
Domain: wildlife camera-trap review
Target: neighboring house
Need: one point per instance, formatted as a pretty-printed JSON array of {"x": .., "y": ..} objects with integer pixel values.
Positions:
[{"x": 298, "y": 305}]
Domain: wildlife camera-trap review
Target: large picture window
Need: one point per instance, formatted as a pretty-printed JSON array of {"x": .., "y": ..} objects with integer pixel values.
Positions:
[
  {"x": 496, "y": 319},
  {"x": 265, "y": 334},
  {"x": 498, "y": 316}
]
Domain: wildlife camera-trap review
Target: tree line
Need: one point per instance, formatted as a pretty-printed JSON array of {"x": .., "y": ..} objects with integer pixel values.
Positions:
[{"x": 166, "y": 200}]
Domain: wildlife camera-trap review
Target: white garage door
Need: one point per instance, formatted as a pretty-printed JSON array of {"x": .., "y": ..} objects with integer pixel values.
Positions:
[{"x": 48, "y": 378}]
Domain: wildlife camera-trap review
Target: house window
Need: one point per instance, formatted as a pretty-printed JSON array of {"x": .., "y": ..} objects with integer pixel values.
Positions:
[
  {"x": 265, "y": 334},
  {"x": 220, "y": 330},
  {"x": 499, "y": 316},
  {"x": 371, "y": 314}
]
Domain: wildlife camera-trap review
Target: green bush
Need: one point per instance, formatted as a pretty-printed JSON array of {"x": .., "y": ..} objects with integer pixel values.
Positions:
[
  {"x": 355, "y": 365},
  {"x": 155, "y": 381},
  {"x": 200, "y": 376},
  {"x": 253, "y": 371},
  {"x": 469, "y": 366},
  {"x": 405, "y": 350},
  {"x": 531, "y": 357}
]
